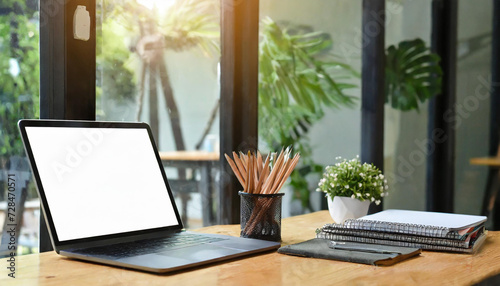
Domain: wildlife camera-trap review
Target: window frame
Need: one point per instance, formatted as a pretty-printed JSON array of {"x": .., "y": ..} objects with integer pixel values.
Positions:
[{"x": 67, "y": 70}]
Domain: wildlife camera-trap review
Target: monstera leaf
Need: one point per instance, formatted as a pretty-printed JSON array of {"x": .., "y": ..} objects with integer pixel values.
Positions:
[
  {"x": 413, "y": 75},
  {"x": 297, "y": 80}
]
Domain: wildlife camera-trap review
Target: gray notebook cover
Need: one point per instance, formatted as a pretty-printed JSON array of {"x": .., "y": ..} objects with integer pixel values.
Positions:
[{"x": 372, "y": 254}]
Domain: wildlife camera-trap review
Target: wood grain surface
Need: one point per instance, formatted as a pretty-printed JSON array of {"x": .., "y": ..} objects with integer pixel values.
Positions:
[{"x": 430, "y": 268}]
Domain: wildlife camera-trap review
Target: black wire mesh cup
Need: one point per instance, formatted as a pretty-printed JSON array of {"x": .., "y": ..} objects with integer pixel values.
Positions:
[{"x": 260, "y": 216}]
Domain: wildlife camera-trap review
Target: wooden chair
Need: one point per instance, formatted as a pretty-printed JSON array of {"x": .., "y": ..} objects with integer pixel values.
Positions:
[{"x": 491, "y": 199}]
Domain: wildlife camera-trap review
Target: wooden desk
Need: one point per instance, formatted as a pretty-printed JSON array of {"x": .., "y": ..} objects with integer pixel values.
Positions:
[
  {"x": 204, "y": 162},
  {"x": 486, "y": 161},
  {"x": 431, "y": 268},
  {"x": 189, "y": 156}
]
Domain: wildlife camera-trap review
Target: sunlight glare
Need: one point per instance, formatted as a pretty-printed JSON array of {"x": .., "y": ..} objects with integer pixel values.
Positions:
[{"x": 160, "y": 5}]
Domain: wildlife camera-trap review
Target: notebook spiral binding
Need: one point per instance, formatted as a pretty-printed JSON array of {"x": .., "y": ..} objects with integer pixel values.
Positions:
[
  {"x": 406, "y": 228},
  {"x": 425, "y": 246},
  {"x": 339, "y": 230}
]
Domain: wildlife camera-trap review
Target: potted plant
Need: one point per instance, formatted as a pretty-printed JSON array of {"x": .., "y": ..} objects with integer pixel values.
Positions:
[{"x": 350, "y": 187}]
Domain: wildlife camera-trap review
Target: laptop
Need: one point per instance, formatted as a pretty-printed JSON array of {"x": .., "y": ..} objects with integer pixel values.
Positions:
[{"x": 106, "y": 199}]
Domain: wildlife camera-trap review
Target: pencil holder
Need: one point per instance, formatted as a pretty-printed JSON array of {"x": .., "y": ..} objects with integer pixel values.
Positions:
[{"x": 260, "y": 216}]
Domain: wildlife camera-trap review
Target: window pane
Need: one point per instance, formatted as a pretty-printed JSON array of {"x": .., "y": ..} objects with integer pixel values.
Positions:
[
  {"x": 19, "y": 98},
  {"x": 473, "y": 103},
  {"x": 405, "y": 161},
  {"x": 157, "y": 62},
  {"x": 298, "y": 105}
]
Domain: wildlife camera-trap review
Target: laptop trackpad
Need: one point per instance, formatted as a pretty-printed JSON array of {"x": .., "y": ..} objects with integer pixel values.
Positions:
[
  {"x": 200, "y": 252},
  {"x": 180, "y": 257}
]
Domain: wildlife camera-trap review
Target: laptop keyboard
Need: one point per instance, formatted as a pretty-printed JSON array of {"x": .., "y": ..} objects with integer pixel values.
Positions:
[{"x": 150, "y": 245}]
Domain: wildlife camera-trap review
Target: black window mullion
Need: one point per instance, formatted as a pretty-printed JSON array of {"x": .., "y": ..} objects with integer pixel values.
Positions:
[
  {"x": 67, "y": 70},
  {"x": 441, "y": 162},
  {"x": 239, "y": 94},
  {"x": 372, "y": 85}
]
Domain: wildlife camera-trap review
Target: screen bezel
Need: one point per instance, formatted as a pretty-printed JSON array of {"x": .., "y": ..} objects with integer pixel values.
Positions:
[{"x": 57, "y": 244}]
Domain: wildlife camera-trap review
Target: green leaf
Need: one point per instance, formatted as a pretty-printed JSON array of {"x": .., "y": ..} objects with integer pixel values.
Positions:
[{"x": 413, "y": 75}]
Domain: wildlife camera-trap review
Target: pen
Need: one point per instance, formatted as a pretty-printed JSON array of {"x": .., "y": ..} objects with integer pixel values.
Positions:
[{"x": 357, "y": 247}]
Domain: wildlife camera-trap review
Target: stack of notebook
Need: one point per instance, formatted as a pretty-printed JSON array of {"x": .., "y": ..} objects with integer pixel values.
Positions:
[{"x": 425, "y": 230}]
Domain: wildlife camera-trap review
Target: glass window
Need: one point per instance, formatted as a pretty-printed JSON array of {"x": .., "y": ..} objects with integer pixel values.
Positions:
[
  {"x": 309, "y": 88},
  {"x": 472, "y": 117},
  {"x": 19, "y": 98},
  {"x": 157, "y": 61},
  {"x": 334, "y": 130},
  {"x": 408, "y": 23}
]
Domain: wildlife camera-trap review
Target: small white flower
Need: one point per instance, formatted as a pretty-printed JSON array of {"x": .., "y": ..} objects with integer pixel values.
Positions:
[
  {"x": 357, "y": 156},
  {"x": 353, "y": 197},
  {"x": 332, "y": 184},
  {"x": 375, "y": 184},
  {"x": 382, "y": 195},
  {"x": 385, "y": 181},
  {"x": 386, "y": 187},
  {"x": 381, "y": 176},
  {"x": 372, "y": 199},
  {"x": 318, "y": 190},
  {"x": 358, "y": 194},
  {"x": 347, "y": 186},
  {"x": 335, "y": 179},
  {"x": 377, "y": 202},
  {"x": 360, "y": 185},
  {"x": 338, "y": 158},
  {"x": 361, "y": 174}
]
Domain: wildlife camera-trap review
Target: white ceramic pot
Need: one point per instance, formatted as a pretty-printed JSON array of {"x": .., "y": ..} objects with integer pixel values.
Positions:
[{"x": 342, "y": 208}]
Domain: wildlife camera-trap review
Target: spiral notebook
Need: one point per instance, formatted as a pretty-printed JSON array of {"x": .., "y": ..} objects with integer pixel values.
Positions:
[
  {"x": 433, "y": 224},
  {"x": 419, "y": 229},
  {"x": 473, "y": 247},
  {"x": 338, "y": 232}
]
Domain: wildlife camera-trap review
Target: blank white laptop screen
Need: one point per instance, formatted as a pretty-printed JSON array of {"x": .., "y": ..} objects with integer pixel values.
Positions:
[{"x": 100, "y": 181}]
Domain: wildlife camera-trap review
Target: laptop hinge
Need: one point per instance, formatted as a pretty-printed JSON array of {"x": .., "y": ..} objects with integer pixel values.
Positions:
[{"x": 97, "y": 242}]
